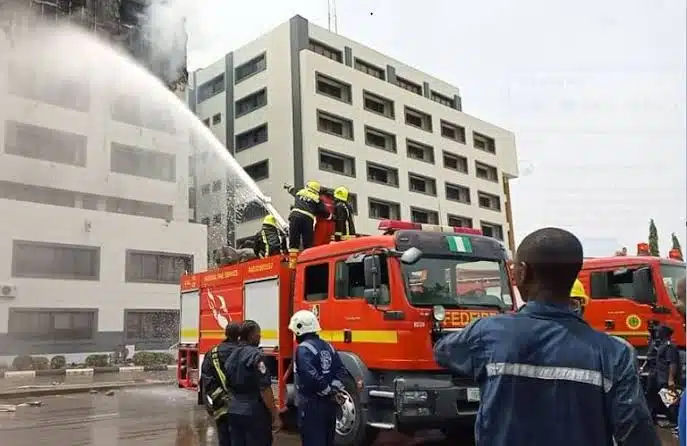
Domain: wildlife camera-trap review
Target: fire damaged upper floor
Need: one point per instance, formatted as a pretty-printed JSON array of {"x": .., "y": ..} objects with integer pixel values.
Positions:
[{"x": 132, "y": 24}]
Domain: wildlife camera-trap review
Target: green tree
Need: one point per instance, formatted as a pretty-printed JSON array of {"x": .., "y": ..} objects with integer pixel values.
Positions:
[
  {"x": 676, "y": 244},
  {"x": 653, "y": 239}
]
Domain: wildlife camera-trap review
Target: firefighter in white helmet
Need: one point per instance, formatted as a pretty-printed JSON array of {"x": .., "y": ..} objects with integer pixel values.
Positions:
[{"x": 320, "y": 377}]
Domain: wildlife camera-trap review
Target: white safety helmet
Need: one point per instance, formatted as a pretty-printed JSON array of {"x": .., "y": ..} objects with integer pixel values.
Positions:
[{"x": 304, "y": 322}]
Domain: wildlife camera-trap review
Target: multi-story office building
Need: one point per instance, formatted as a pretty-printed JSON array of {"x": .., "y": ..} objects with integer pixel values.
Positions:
[
  {"x": 94, "y": 197},
  {"x": 301, "y": 103}
]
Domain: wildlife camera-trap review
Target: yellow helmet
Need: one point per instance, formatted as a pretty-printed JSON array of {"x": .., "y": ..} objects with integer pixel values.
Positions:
[
  {"x": 269, "y": 220},
  {"x": 341, "y": 193},
  {"x": 313, "y": 186},
  {"x": 579, "y": 292}
]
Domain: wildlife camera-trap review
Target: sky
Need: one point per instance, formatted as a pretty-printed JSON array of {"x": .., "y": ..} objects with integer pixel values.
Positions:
[{"x": 594, "y": 92}]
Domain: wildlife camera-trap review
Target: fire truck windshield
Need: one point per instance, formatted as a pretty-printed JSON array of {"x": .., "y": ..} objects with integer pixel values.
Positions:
[
  {"x": 456, "y": 283},
  {"x": 671, "y": 275}
]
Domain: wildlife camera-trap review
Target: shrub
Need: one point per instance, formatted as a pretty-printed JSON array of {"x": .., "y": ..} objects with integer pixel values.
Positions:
[
  {"x": 40, "y": 363},
  {"x": 58, "y": 362},
  {"x": 153, "y": 358},
  {"x": 97, "y": 360},
  {"x": 22, "y": 362}
]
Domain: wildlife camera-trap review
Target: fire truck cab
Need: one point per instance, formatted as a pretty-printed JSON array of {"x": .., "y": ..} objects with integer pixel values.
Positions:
[{"x": 382, "y": 301}]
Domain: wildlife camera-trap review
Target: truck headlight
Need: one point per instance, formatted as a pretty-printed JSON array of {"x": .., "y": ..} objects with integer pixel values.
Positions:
[
  {"x": 439, "y": 313},
  {"x": 415, "y": 396}
]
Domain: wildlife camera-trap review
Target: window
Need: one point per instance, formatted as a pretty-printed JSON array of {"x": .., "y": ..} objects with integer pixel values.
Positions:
[
  {"x": 217, "y": 185},
  {"x": 31, "y": 141},
  {"x": 205, "y": 221},
  {"x": 325, "y": 50},
  {"x": 151, "y": 325},
  {"x": 253, "y": 210},
  {"x": 217, "y": 219},
  {"x": 349, "y": 281},
  {"x": 251, "y": 102},
  {"x": 252, "y": 137},
  {"x": 384, "y": 210},
  {"x": 419, "y": 151},
  {"x": 421, "y": 184},
  {"x": 459, "y": 222},
  {"x": 37, "y": 194},
  {"x": 258, "y": 171},
  {"x": 418, "y": 119},
  {"x": 217, "y": 119},
  {"x": 486, "y": 172},
  {"x": 424, "y": 216},
  {"x": 333, "y": 88},
  {"x": 139, "y": 208},
  {"x": 455, "y": 192},
  {"x": 337, "y": 163},
  {"x": 380, "y": 139},
  {"x": 370, "y": 69},
  {"x": 58, "y": 89},
  {"x": 43, "y": 260},
  {"x": 378, "y": 104},
  {"x": 453, "y": 131},
  {"x": 143, "y": 163},
  {"x": 377, "y": 173},
  {"x": 489, "y": 201},
  {"x": 28, "y": 324},
  {"x": 613, "y": 284},
  {"x": 455, "y": 162},
  {"x": 483, "y": 142},
  {"x": 443, "y": 100},
  {"x": 334, "y": 125},
  {"x": 150, "y": 267},
  {"x": 317, "y": 282},
  {"x": 130, "y": 109},
  {"x": 408, "y": 85},
  {"x": 211, "y": 88},
  {"x": 206, "y": 122},
  {"x": 353, "y": 201},
  {"x": 253, "y": 66},
  {"x": 492, "y": 230},
  {"x": 205, "y": 189}
]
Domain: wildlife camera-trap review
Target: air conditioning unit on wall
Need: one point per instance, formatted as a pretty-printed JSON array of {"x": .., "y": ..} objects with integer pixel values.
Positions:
[{"x": 7, "y": 290}]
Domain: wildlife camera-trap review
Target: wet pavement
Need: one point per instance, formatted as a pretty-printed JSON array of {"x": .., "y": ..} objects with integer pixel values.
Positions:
[
  {"x": 157, "y": 416},
  {"x": 17, "y": 382}
]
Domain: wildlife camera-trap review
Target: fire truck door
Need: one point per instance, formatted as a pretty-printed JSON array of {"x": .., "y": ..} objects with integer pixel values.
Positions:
[
  {"x": 189, "y": 318},
  {"x": 261, "y": 304}
]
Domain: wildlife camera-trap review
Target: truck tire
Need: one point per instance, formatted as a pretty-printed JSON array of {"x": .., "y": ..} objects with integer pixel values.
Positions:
[{"x": 351, "y": 423}]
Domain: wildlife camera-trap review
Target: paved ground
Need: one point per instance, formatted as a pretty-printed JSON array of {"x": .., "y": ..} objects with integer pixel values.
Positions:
[
  {"x": 144, "y": 416},
  {"x": 13, "y": 383}
]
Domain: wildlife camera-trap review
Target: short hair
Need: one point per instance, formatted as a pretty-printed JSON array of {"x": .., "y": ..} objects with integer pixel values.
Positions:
[
  {"x": 247, "y": 327},
  {"x": 554, "y": 257},
  {"x": 232, "y": 331}
]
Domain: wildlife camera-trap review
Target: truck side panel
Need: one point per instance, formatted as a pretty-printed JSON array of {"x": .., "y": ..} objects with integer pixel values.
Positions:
[
  {"x": 189, "y": 328},
  {"x": 220, "y": 303},
  {"x": 261, "y": 304}
]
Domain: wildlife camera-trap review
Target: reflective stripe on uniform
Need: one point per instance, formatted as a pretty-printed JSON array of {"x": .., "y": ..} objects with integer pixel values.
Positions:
[
  {"x": 218, "y": 368},
  {"x": 306, "y": 213},
  {"x": 582, "y": 376},
  {"x": 264, "y": 240}
]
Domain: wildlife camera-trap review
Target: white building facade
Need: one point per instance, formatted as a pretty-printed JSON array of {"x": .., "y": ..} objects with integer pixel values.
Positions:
[
  {"x": 301, "y": 103},
  {"x": 95, "y": 229}
]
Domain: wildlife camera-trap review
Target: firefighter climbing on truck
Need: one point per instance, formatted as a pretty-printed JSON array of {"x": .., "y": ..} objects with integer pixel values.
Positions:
[
  {"x": 306, "y": 208},
  {"x": 343, "y": 216},
  {"x": 270, "y": 239}
]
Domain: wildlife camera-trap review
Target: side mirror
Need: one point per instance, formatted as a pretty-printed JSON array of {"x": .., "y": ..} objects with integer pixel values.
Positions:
[
  {"x": 641, "y": 286},
  {"x": 410, "y": 256},
  {"x": 372, "y": 267}
]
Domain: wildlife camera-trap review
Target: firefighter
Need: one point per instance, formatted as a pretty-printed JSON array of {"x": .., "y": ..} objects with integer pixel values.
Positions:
[
  {"x": 568, "y": 384},
  {"x": 343, "y": 215},
  {"x": 253, "y": 414},
  {"x": 663, "y": 364},
  {"x": 579, "y": 297},
  {"x": 214, "y": 384},
  {"x": 270, "y": 240},
  {"x": 307, "y": 207},
  {"x": 319, "y": 376}
]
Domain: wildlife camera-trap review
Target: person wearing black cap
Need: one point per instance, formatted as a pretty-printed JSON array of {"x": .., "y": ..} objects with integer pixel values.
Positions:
[{"x": 546, "y": 377}]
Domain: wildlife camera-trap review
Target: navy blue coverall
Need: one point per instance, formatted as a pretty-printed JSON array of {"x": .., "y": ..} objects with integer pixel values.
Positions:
[
  {"x": 249, "y": 418},
  {"x": 546, "y": 377},
  {"x": 319, "y": 375},
  {"x": 213, "y": 382}
]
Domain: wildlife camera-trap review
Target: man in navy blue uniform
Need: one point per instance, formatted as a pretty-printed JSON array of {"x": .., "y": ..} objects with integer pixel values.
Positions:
[
  {"x": 545, "y": 376},
  {"x": 319, "y": 381},
  {"x": 253, "y": 414}
]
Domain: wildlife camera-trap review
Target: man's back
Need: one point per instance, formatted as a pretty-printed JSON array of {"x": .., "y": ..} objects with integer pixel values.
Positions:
[{"x": 546, "y": 378}]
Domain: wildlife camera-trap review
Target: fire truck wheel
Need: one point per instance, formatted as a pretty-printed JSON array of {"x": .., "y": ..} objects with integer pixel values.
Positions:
[{"x": 351, "y": 426}]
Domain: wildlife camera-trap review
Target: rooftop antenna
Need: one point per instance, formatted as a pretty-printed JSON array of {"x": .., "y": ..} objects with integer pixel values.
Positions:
[{"x": 331, "y": 16}]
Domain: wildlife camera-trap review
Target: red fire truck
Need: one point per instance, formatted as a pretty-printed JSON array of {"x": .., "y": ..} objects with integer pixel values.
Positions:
[{"x": 383, "y": 301}]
